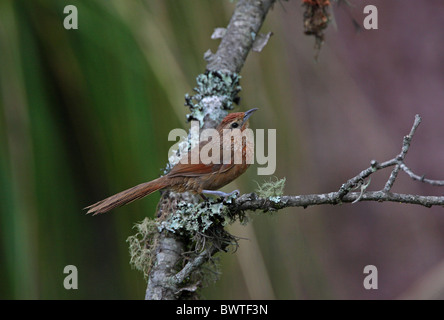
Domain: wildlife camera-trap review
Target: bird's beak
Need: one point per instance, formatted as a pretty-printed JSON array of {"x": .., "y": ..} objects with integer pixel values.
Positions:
[{"x": 248, "y": 114}]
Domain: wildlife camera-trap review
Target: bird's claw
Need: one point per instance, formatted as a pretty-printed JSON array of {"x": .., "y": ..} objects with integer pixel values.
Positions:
[{"x": 222, "y": 194}]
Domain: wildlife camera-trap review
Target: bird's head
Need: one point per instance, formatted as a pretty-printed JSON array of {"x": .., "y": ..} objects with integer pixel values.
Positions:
[{"x": 236, "y": 120}]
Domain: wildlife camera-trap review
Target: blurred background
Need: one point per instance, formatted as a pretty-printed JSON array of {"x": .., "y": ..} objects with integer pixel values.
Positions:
[{"x": 86, "y": 113}]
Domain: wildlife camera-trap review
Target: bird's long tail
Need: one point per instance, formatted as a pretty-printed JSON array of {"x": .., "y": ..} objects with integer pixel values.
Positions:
[{"x": 127, "y": 196}]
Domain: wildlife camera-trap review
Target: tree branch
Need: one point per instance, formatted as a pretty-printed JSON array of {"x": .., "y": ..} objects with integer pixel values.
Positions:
[
  {"x": 401, "y": 156},
  {"x": 193, "y": 265},
  {"x": 421, "y": 178},
  {"x": 240, "y": 35},
  {"x": 252, "y": 202},
  {"x": 344, "y": 195}
]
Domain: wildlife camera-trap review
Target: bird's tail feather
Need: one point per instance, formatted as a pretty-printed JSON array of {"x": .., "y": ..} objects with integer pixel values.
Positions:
[{"x": 127, "y": 196}]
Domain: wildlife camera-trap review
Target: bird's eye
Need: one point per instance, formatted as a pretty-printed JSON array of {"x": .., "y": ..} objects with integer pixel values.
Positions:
[{"x": 235, "y": 125}]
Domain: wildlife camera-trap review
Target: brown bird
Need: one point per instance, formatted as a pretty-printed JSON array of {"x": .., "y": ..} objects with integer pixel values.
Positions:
[{"x": 200, "y": 177}]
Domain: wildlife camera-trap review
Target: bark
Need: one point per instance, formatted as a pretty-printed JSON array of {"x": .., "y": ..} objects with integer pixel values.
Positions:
[{"x": 240, "y": 35}]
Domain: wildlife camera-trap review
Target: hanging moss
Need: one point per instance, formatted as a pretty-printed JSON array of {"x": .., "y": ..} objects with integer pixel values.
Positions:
[
  {"x": 203, "y": 223},
  {"x": 142, "y": 245}
]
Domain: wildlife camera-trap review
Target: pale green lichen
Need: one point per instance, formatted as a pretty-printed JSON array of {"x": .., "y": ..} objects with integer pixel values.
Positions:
[
  {"x": 142, "y": 245},
  {"x": 223, "y": 85},
  {"x": 190, "y": 218},
  {"x": 203, "y": 223},
  {"x": 271, "y": 189},
  {"x": 275, "y": 199}
]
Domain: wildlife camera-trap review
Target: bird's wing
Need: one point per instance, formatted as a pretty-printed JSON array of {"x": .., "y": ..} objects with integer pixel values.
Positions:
[
  {"x": 199, "y": 169},
  {"x": 189, "y": 169}
]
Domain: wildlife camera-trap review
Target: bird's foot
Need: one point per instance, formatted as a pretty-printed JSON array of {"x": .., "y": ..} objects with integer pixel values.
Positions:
[{"x": 219, "y": 194}]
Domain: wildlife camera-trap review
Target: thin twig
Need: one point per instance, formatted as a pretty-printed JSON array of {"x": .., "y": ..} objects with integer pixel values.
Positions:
[
  {"x": 401, "y": 156},
  {"x": 364, "y": 174},
  {"x": 420, "y": 178},
  {"x": 193, "y": 265}
]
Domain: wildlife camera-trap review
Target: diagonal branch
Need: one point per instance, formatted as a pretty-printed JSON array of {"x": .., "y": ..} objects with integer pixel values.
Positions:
[
  {"x": 401, "y": 156},
  {"x": 240, "y": 35},
  {"x": 420, "y": 178},
  {"x": 193, "y": 265}
]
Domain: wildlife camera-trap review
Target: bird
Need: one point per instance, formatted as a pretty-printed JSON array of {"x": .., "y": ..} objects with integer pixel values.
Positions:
[{"x": 200, "y": 177}]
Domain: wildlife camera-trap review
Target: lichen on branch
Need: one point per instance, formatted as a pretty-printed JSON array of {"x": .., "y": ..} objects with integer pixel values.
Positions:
[
  {"x": 271, "y": 188},
  {"x": 216, "y": 92}
]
